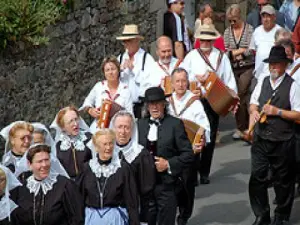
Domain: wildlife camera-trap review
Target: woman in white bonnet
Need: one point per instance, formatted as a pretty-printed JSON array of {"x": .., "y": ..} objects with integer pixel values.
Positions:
[{"x": 7, "y": 182}]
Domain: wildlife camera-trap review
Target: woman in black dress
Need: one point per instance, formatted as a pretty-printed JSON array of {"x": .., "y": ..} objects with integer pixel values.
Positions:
[
  {"x": 71, "y": 138},
  {"x": 7, "y": 182},
  {"x": 109, "y": 190},
  {"x": 46, "y": 198}
]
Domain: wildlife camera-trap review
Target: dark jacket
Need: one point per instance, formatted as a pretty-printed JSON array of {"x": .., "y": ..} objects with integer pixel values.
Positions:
[
  {"x": 172, "y": 144},
  {"x": 254, "y": 20}
]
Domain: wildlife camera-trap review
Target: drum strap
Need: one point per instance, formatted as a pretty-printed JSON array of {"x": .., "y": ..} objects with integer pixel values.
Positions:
[
  {"x": 295, "y": 69},
  {"x": 206, "y": 60},
  {"x": 187, "y": 105},
  {"x": 166, "y": 71}
]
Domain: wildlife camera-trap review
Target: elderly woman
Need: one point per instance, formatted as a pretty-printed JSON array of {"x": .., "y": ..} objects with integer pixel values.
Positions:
[
  {"x": 7, "y": 183},
  {"x": 237, "y": 39},
  {"x": 71, "y": 138},
  {"x": 110, "y": 89},
  {"x": 18, "y": 136},
  {"x": 47, "y": 198},
  {"x": 109, "y": 190}
]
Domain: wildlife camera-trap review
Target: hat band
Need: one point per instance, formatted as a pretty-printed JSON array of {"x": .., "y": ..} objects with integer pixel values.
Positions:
[
  {"x": 208, "y": 33},
  {"x": 130, "y": 34}
]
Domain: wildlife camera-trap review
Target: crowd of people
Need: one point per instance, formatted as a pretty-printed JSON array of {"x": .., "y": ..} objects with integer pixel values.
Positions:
[{"x": 155, "y": 128}]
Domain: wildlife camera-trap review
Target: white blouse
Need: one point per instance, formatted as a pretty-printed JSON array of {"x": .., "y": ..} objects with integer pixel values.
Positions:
[{"x": 100, "y": 92}]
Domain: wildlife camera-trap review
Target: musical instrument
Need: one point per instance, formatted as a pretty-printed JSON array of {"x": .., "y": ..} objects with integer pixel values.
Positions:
[
  {"x": 221, "y": 98},
  {"x": 168, "y": 85},
  {"x": 194, "y": 131},
  {"x": 108, "y": 110},
  {"x": 193, "y": 85}
]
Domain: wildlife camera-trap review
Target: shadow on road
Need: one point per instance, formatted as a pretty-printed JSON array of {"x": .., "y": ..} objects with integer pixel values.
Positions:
[{"x": 224, "y": 213}]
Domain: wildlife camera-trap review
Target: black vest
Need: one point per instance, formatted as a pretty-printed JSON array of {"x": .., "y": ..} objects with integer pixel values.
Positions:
[{"x": 276, "y": 128}]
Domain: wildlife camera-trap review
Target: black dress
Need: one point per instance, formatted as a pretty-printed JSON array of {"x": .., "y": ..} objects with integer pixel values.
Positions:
[
  {"x": 73, "y": 158},
  {"x": 117, "y": 190},
  {"x": 62, "y": 205},
  {"x": 144, "y": 171}
]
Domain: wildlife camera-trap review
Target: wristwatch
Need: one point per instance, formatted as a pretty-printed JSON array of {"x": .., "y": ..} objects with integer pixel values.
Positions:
[{"x": 279, "y": 112}]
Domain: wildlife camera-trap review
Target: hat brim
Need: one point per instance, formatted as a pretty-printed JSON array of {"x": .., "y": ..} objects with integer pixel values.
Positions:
[
  {"x": 268, "y": 60},
  {"x": 207, "y": 37},
  {"x": 124, "y": 38},
  {"x": 154, "y": 99}
]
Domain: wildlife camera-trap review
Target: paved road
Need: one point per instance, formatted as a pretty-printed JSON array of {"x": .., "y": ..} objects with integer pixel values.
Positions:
[{"x": 225, "y": 200}]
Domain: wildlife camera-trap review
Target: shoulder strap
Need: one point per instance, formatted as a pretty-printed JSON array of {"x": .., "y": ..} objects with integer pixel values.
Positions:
[
  {"x": 144, "y": 60},
  {"x": 295, "y": 69},
  {"x": 206, "y": 60},
  {"x": 187, "y": 105},
  {"x": 178, "y": 63},
  {"x": 121, "y": 57},
  {"x": 219, "y": 59}
]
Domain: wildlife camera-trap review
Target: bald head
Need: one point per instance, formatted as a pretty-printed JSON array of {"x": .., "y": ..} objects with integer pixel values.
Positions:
[{"x": 164, "y": 49}]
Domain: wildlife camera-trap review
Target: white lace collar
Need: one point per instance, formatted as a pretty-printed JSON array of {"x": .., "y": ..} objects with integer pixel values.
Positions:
[
  {"x": 46, "y": 185},
  {"x": 104, "y": 170},
  {"x": 10, "y": 158},
  {"x": 130, "y": 151},
  {"x": 67, "y": 141},
  {"x": 6, "y": 206}
]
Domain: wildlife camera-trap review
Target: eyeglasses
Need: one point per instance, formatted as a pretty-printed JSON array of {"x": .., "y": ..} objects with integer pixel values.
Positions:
[
  {"x": 25, "y": 137},
  {"x": 73, "y": 121}
]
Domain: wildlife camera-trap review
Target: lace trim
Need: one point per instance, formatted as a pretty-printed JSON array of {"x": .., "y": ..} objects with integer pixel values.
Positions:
[
  {"x": 78, "y": 142},
  {"x": 34, "y": 186},
  {"x": 103, "y": 170}
]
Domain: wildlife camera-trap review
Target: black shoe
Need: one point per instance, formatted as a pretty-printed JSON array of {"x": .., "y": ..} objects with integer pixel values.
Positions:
[
  {"x": 181, "y": 221},
  {"x": 278, "y": 221},
  {"x": 262, "y": 221},
  {"x": 204, "y": 180}
]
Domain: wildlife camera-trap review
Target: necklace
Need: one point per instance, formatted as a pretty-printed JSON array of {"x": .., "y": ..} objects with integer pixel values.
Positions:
[
  {"x": 101, "y": 191},
  {"x": 41, "y": 213}
]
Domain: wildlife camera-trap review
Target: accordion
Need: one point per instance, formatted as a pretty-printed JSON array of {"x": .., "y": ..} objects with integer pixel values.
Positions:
[
  {"x": 168, "y": 85},
  {"x": 221, "y": 98},
  {"x": 108, "y": 110},
  {"x": 194, "y": 131}
]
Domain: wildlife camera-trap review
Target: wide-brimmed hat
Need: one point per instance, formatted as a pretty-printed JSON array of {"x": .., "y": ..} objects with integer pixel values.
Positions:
[
  {"x": 130, "y": 32},
  {"x": 277, "y": 54},
  {"x": 155, "y": 94},
  {"x": 207, "y": 32}
]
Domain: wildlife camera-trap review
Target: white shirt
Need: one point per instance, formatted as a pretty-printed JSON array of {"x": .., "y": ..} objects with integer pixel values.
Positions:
[
  {"x": 195, "y": 65},
  {"x": 296, "y": 75},
  {"x": 101, "y": 92},
  {"x": 262, "y": 42},
  {"x": 137, "y": 80},
  {"x": 195, "y": 112},
  {"x": 294, "y": 93}
]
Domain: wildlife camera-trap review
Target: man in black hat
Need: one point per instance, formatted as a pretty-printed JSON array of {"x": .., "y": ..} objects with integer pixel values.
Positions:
[
  {"x": 165, "y": 137},
  {"x": 274, "y": 145}
]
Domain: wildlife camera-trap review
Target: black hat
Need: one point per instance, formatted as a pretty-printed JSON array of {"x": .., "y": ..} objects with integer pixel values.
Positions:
[
  {"x": 277, "y": 54},
  {"x": 155, "y": 94}
]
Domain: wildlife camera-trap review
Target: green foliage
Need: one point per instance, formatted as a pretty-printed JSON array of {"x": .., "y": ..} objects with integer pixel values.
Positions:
[{"x": 25, "y": 20}]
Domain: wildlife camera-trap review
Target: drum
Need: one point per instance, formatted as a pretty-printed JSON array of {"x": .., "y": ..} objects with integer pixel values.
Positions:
[
  {"x": 108, "y": 110},
  {"x": 221, "y": 98}
]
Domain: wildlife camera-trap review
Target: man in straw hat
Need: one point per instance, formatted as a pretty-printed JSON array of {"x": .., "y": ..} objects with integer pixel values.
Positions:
[
  {"x": 198, "y": 63},
  {"x": 165, "y": 137},
  {"x": 274, "y": 143},
  {"x": 136, "y": 66}
]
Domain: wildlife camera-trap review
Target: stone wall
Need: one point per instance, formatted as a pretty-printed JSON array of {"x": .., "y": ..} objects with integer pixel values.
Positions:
[{"x": 36, "y": 82}]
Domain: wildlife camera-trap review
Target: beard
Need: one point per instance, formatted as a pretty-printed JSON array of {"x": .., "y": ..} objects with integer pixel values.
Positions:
[
  {"x": 274, "y": 74},
  {"x": 166, "y": 60}
]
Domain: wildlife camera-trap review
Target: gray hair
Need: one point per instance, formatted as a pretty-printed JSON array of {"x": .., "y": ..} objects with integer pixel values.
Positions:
[
  {"x": 121, "y": 114},
  {"x": 233, "y": 10},
  {"x": 287, "y": 43},
  {"x": 180, "y": 70},
  {"x": 284, "y": 33}
]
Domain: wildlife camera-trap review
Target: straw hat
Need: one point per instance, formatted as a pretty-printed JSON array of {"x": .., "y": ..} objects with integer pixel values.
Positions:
[
  {"x": 130, "y": 32},
  {"x": 207, "y": 32}
]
